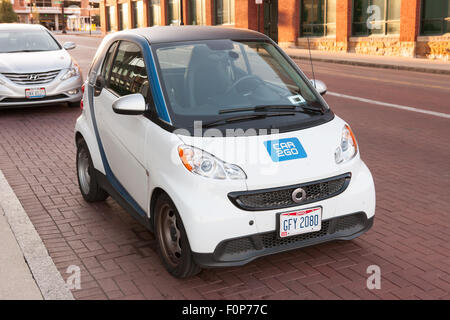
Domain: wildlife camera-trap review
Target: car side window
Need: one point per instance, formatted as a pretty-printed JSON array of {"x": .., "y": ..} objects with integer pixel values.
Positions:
[
  {"x": 107, "y": 62},
  {"x": 128, "y": 73}
]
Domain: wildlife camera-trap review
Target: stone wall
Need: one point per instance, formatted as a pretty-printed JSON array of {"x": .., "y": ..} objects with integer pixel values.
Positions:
[
  {"x": 436, "y": 47},
  {"x": 380, "y": 46},
  {"x": 433, "y": 48},
  {"x": 324, "y": 44}
]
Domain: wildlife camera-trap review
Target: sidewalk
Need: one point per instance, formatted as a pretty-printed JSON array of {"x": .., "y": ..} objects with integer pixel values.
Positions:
[
  {"x": 94, "y": 34},
  {"x": 399, "y": 63},
  {"x": 16, "y": 280},
  {"x": 26, "y": 270}
]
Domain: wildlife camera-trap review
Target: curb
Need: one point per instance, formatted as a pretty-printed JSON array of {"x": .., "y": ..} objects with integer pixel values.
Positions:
[
  {"x": 372, "y": 65},
  {"x": 47, "y": 277}
]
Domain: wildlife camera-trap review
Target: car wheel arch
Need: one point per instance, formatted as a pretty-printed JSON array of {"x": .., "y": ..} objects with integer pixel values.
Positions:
[
  {"x": 158, "y": 191},
  {"x": 78, "y": 138}
]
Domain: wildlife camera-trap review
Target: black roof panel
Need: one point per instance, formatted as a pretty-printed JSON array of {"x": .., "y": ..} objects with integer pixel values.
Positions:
[{"x": 192, "y": 33}]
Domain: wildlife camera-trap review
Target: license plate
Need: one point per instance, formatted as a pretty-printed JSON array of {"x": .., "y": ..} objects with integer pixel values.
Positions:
[
  {"x": 300, "y": 221},
  {"x": 35, "y": 93}
]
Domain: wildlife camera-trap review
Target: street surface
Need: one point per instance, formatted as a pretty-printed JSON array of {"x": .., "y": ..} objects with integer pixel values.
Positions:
[{"x": 408, "y": 152}]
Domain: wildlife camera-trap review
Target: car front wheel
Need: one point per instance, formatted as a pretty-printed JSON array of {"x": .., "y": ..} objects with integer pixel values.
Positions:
[{"x": 173, "y": 244}]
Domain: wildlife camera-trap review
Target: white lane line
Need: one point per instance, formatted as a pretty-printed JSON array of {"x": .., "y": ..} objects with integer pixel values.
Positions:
[{"x": 391, "y": 105}]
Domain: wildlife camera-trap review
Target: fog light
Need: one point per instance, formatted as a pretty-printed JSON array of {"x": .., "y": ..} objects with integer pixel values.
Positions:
[{"x": 72, "y": 92}]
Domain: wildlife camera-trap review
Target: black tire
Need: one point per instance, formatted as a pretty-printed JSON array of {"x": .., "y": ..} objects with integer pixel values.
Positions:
[
  {"x": 89, "y": 187},
  {"x": 181, "y": 265},
  {"x": 75, "y": 104}
]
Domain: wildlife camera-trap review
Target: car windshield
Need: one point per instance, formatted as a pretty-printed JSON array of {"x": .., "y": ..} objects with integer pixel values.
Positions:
[
  {"x": 27, "y": 41},
  {"x": 215, "y": 79}
]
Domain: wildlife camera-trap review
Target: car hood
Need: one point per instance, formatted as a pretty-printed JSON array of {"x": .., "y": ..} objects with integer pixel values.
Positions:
[
  {"x": 27, "y": 62},
  {"x": 316, "y": 160}
]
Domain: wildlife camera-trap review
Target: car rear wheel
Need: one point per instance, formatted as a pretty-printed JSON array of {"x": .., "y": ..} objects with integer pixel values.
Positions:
[
  {"x": 173, "y": 244},
  {"x": 87, "y": 181}
]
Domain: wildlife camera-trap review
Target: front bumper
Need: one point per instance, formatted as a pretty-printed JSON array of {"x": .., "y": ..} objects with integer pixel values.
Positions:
[
  {"x": 57, "y": 91},
  {"x": 242, "y": 250},
  {"x": 210, "y": 217}
]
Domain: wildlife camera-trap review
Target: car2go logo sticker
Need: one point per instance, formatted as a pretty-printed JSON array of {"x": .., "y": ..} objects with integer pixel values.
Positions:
[{"x": 285, "y": 149}]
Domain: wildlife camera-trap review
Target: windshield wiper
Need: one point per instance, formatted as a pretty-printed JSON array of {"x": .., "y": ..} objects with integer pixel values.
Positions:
[
  {"x": 247, "y": 117},
  {"x": 289, "y": 107}
]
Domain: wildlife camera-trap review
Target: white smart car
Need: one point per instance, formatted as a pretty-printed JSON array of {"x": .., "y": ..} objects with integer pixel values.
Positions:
[{"x": 216, "y": 141}]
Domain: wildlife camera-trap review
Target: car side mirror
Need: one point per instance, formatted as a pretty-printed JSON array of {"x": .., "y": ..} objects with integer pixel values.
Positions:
[
  {"x": 132, "y": 104},
  {"x": 320, "y": 86},
  {"x": 69, "y": 45}
]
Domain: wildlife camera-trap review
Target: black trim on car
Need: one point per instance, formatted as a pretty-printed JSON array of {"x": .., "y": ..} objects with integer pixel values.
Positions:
[
  {"x": 235, "y": 196},
  {"x": 106, "y": 185},
  {"x": 242, "y": 250},
  {"x": 25, "y": 100}
]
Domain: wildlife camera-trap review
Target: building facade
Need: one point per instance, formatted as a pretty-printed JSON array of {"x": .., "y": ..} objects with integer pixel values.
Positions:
[
  {"x": 410, "y": 28},
  {"x": 79, "y": 15}
]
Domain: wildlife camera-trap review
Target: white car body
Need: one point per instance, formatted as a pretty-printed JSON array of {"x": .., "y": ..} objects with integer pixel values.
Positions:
[
  {"x": 139, "y": 159},
  {"x": 21, "y": 71}
]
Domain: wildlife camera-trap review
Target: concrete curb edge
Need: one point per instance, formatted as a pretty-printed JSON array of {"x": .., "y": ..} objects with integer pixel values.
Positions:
[{"x": 47, "y": 277}]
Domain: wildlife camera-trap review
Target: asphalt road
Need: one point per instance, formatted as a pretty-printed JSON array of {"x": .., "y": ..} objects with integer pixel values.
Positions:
[{"x": 401, "y": 121}]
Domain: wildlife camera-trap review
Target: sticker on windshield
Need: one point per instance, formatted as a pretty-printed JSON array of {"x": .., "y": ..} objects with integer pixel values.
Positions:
[
  {"x": 297, "y": 99},
  {"x": 285, "y": 149}
]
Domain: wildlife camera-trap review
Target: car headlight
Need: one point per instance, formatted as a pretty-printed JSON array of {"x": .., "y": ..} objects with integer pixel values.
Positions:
[
  {"x": 73, "y": 71},
  {"x": 348, "y": 147},
  {"x": 205, "y": 164}
]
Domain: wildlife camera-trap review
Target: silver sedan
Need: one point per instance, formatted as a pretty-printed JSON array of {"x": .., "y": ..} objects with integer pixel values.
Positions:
[{"x": 35, "y": 69}]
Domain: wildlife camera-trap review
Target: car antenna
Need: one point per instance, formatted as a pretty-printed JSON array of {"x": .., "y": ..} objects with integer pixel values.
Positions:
[{"x": 312, "y": 67}]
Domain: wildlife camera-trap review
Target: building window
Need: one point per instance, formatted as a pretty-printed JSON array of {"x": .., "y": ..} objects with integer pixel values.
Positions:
[
  {"x": 138, "y": 14},
  {"x": 154, "y": 13},
  {"x": 111, "y": 19},
  {"x": 107, "y": 20},
  {"x": 224, "y": 11},
  {"x": 123, "y": 16},
  {"x": 43, "y": 3},
  {"x": 196, "y": 12},
  {"x": 173, "y": 12},
  {"x": 318, "y": 18},
  {"x": 435, "y": 17},
  {"x": 376, "y": 17}
]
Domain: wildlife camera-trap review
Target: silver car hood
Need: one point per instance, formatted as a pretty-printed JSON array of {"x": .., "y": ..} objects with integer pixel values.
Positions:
[{"x": 28, "y": 62}]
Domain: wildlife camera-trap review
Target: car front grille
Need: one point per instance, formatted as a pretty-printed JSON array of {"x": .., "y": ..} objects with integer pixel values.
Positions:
[
  {"x": 32, "y": 78},
  {"x": 259, "y": 244},
  {"x": 278, "y": 198}
]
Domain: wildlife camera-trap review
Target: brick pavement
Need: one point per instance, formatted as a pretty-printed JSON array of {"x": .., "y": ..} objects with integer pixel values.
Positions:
[{"x": 407, "y": 153}]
